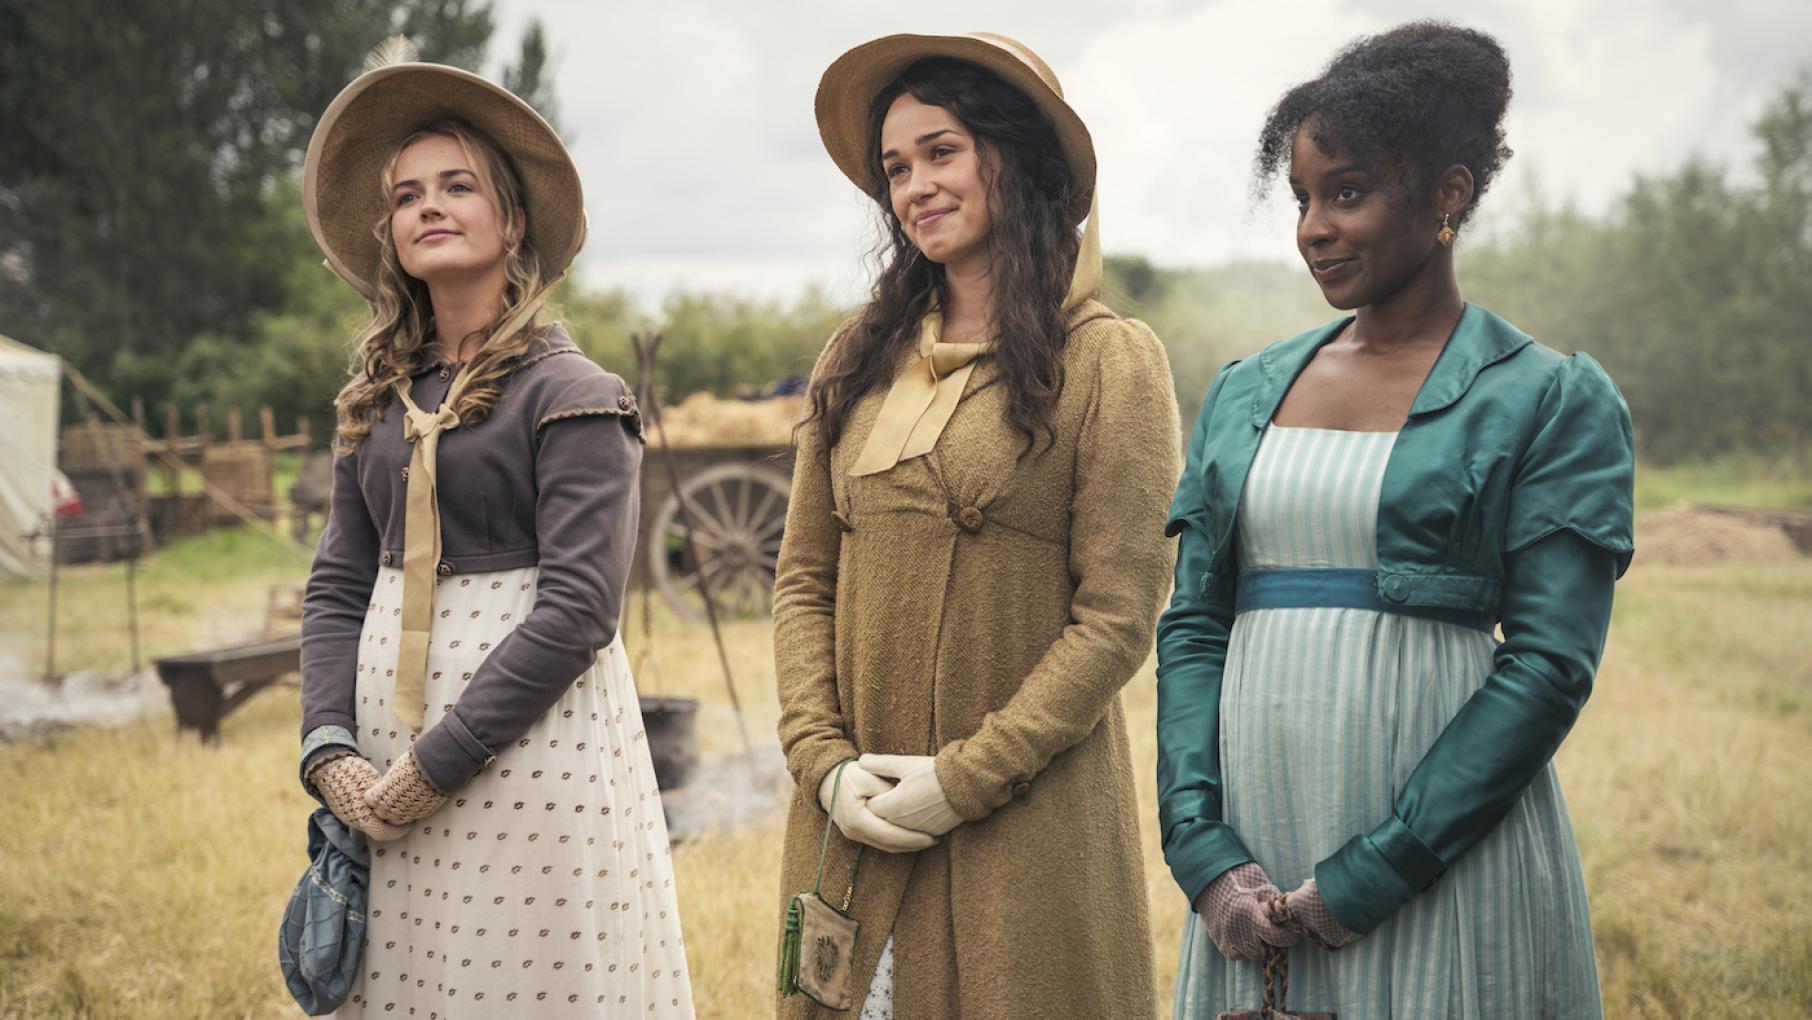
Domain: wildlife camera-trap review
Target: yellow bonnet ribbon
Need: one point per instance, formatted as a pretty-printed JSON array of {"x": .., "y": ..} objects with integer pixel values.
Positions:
[
  {"x": 421, "y": 545},
  {"x": 924, "y": 395}
]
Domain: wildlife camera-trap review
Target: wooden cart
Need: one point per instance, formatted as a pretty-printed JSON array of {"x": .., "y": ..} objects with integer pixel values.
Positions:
[{"x": 737, "y": 496}]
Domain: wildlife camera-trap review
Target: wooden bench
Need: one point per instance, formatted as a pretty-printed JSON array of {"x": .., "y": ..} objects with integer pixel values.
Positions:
[{"x": 206, "y": 686}]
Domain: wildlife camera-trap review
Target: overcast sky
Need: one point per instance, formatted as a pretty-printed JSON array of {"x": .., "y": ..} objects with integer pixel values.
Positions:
[{"x": 692, "y": 119}]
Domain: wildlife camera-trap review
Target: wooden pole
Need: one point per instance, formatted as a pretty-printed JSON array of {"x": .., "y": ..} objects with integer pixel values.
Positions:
[
  {"x": 172, "y": 434},
  {"x": 214, "y": 492},
  {"x": 50, "y": 641},
  {"x": 267, "y": 424},
  {"x": 651, "y": 415},
  {"x": 235, "y": 427}
]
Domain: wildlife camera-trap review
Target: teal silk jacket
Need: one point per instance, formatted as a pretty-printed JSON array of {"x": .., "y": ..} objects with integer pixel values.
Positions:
[{"x": 1509, "y": 490}]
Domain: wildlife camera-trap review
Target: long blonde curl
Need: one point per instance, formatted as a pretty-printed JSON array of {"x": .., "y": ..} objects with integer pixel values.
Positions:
[{"x": 394, "y": 345}]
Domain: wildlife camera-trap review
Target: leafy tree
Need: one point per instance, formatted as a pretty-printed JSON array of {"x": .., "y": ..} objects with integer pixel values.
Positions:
[
  {"x": 148, "y": 147},
  {"x": 532, "y": 77},
  {"x": 1692, "y": 291}
]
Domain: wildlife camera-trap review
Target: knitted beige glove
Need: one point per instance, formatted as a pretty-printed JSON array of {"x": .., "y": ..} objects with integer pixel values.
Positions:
[
  {"x": 342, "y": 782},
  {"x": 404, "y": 795},
  {"x": 1304, "y": 912},
  {"x": 1233, "y": 912}
]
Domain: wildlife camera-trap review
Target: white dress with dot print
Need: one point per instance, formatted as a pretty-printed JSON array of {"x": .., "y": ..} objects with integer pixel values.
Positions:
[{"x": 544, "y": 888}]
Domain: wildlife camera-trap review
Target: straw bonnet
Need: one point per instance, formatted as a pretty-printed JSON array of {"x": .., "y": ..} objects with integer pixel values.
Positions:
[
  {"x": 848, "y": 89},
  {"x": 342, "y": 194}
]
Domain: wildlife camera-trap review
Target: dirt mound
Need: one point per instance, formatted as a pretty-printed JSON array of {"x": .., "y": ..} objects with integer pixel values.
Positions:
[
  {"x": 704, "y": 420},
  {"x": 1686, "y": 535}
]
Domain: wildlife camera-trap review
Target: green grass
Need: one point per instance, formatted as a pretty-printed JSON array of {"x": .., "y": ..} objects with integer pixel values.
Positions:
[
  {"x": 142, "y": 875},
  {"x": 285, "y": 466},
  {"x": 207, "y": 589},
  {"x": 1773, "y": 481}
]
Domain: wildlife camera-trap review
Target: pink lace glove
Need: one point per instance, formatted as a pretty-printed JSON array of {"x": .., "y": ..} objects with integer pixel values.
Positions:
[
  {"x": 1304, "y": 912},
  {"x": 1233, "y": 912}
]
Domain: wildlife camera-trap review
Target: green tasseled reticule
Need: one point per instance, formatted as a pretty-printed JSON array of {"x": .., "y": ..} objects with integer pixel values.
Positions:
[{"x": 789, "y": 948}]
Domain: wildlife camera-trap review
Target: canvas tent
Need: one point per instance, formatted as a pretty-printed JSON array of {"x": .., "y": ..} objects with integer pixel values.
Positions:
[{"x": 30, "y": 383}]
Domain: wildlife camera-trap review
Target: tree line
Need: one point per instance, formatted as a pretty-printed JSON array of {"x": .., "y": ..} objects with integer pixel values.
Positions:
[{"x": 151, "y": 234}]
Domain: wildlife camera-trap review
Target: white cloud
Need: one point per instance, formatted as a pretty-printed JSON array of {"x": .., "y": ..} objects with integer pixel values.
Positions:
[
  {"x": 1608, "y": 89},
  {"x": 702, "y": 164},
  {"x": 1175, "y": 100}
]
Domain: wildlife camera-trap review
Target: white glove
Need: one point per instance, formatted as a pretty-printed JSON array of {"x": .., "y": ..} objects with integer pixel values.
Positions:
[
  {"x": 853, "y": 817},
  {"x": 918, "y": 803}
]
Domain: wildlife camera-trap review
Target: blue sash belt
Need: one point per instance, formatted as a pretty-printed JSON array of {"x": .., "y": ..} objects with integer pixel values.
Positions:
[{"x": 1338, "y": 588}]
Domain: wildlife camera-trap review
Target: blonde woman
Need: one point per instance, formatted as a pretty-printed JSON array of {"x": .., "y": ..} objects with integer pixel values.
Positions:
[{"x": 466, "y": 699}]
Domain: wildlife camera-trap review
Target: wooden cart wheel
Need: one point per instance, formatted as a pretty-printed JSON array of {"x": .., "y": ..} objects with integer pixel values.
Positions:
[{"x": 738, "y": 513}]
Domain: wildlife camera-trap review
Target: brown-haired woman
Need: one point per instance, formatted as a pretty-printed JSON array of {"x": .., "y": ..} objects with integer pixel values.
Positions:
[
  {"x": 974, "y": 556},
  {"x": 459, "y": 628}
]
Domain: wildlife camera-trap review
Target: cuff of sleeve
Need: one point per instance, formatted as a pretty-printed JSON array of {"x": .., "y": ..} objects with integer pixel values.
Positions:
[
  {"x": 971, "y": 797},
  {"x": 327, "y": 720},
  {"x": 1373, "y": 875},
  {"x": 322, "y": 742},
  {"x": 449, "y": 755},
  {"x": 1200, "y": 850},
  {"x": 1186, "y": 806},
  {"x": 814, "y": 765}
]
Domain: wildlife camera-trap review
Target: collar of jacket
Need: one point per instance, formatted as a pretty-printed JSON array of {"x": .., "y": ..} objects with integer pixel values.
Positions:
[
  {"x": 554, "y": 341},
  {"x": 1479, "y": 339}
]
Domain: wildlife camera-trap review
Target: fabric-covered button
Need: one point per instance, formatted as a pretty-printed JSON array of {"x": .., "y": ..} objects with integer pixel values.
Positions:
[
  {"x": 842, "y": 521},
  {"x": 445, "y": 569},
  {"x": 970, "y": 518},
  {"x": 1021, "y": 789},
  {"x": 1396, "y": 589},
  {"x": 388, "y": 558}
]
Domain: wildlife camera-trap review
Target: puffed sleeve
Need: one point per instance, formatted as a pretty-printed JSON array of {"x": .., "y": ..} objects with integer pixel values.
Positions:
[
  {"x": 335, "y": 601},
  {"x": 1126, "y": 467},
  {"x": 1192, "y": 651},
  {"x": 1578, "y": 473},
  {"x": 588, "y": 455},
  {"x": 1568, "y": 542},
  {"x": 814, "y": 735}
]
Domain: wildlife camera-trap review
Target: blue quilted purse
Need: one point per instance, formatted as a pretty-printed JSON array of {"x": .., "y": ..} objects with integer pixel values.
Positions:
[{"x": 323, "y": 931}]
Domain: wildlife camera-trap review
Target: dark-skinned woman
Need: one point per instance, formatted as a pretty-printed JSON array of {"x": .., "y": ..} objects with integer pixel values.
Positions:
[{"x": 1352, "y": 765}]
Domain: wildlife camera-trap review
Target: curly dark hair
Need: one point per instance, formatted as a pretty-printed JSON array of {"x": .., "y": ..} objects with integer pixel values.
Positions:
[
  {"x": 1418, "y": 98},
  {"x": 1033, "y": 248}
]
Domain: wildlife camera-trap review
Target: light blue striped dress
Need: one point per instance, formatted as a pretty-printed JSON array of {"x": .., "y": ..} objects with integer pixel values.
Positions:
[{"x": 1324, "y": 715}]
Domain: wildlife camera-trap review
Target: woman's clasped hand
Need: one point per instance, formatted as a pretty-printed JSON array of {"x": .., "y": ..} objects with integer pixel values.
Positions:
[
  {"x": 1243, "y": 911},
  {"x": 845, "y": 794},
  {"x": 892, "y": 802}
]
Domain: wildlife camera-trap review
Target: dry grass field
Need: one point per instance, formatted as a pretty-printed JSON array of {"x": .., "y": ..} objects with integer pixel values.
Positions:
[{"x": 142, "y": 875}]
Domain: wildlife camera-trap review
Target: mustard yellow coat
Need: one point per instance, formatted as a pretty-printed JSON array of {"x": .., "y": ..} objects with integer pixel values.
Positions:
[{"x": 988, "y": 610}]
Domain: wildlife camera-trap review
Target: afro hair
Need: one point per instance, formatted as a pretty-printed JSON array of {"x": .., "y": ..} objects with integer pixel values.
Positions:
[{"x": 1419, "y": 98}]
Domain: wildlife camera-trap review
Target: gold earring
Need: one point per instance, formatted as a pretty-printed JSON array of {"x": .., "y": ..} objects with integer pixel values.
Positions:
[{"x": 1445, "y": 235}]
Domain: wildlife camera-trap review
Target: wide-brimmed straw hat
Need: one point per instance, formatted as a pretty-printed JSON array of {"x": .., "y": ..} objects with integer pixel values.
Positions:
[
  {"x": 848, "y": 90},
  {"x": 342, "y": 190}
]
